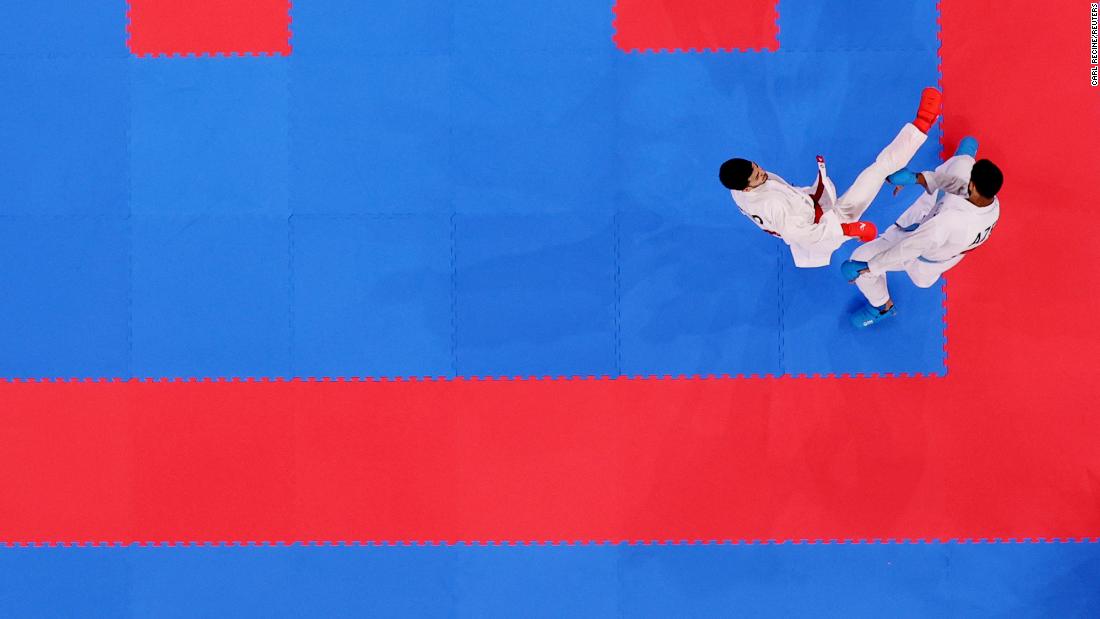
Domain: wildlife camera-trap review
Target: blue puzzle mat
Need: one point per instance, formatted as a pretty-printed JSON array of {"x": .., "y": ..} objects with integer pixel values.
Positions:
[
  {"x": 831, "y": 580},
  {"x": 446, "y": 196}
]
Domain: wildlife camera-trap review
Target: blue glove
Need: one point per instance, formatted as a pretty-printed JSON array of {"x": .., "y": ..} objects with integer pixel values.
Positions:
[
  {"x": 968, "y": 146},
  {"x": 851, "y": 268},
  {"x": 902, "y": 177}
]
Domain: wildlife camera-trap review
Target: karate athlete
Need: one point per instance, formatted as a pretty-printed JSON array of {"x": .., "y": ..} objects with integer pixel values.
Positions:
[
  {"x": 955, "y": 215},
  {"x": 810, "y": 219}
]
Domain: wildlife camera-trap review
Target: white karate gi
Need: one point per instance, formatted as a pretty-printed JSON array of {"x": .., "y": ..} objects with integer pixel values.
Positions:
[
  {"x": 788, "y": 212},
  {"x": 932, "y": 235}
]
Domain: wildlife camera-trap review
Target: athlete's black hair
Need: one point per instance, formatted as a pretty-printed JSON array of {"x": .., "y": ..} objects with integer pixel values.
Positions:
[
  {"x": 987, "y": 178},
  {"x": 735, "y": 174}
]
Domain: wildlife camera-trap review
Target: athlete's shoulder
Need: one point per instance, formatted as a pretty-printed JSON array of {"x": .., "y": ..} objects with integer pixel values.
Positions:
[
  {"x": 949, "y": 218},
  {"x": 956, "y": 204},
  {"x": 761, "y": 197},
  {"x": 772, "y": 176},
  {"x": 744, "y": 200}
]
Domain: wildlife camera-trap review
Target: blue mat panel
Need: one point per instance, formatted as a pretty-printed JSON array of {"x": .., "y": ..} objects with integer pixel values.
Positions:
[
  {"x": 210, "y": 136},
  {"x": 535, "y": 133},
  {"x": 379, "y": 28},
  {"x": 372, "y": 295},
  {"x": 566, "y": 193},
  {"x": 535, "y": 294},
  {"x": 64, "y": 127},
  {"x": 867, "y": 580},
  {"x": 75, "y": 28},
  {"x": 211, "y": 296},
  {"x": 691, "y": 295},
  {"x": 64, "y": 311},
  {"x": 371, "y": 135},
  {"x": 810, "y": 25},
  {"x": 495, "y": 28}
]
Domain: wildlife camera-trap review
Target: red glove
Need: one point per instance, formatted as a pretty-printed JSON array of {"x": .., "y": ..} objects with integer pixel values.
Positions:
[{"x": 864, "y": 230}]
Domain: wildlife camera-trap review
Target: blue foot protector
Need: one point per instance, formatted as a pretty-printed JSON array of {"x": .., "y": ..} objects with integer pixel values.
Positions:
[
  {"x": 968, "y": 146},
  {"x": 851, "y": 269},
  {"x": 869, "y": 315}
]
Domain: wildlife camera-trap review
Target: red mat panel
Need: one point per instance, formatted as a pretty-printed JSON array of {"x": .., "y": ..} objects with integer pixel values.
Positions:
[
  {"x": 209, "y": 27},
  {"x": 652, "y": 25}
]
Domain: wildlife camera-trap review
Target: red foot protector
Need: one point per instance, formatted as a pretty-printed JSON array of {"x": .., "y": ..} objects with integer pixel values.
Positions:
[
  {"x": 653, "y": 25},
  {"x": 209, "y": 27}
]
